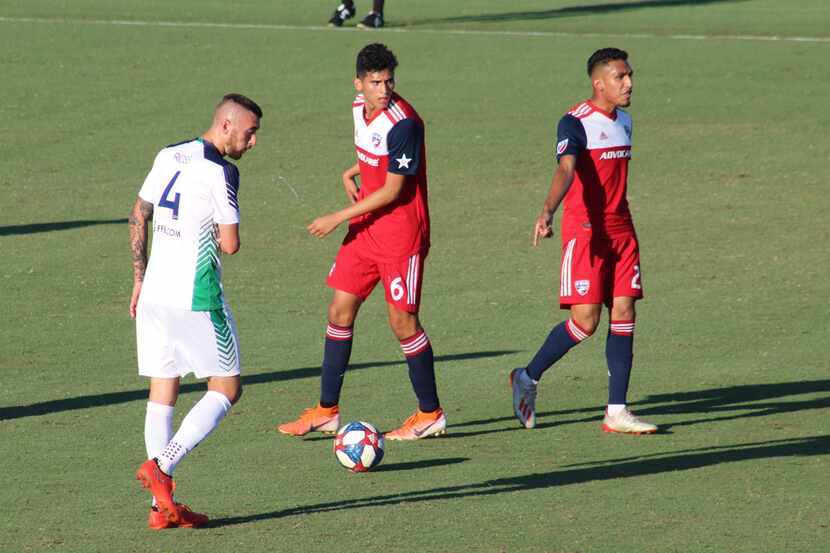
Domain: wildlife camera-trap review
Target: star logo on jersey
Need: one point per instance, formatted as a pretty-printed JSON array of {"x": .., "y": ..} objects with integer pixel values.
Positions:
[
  {"x": 376, "y": 138},
  {"x": 403, "y": 162},
  {"x": 582, "y": 286},
  {"x": 561, "y": 147}
]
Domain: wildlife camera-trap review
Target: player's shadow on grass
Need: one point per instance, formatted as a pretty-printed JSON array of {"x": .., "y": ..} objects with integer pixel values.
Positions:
[
  {"x": 114, "y": 398},
  {"x": 648, "y": 465},
  {"x": 736, "y": 402},
  {"x": 718, "y": 404},
  {"x": 568, "y": 11},
  {"x": 34, "y": 228}
]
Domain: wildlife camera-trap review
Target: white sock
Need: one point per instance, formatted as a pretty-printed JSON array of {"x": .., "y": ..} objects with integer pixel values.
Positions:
[
  {"x": 196, "y": 426},
  {"x": 158, "y": 429},
  {"x": 613, "y": 409}
]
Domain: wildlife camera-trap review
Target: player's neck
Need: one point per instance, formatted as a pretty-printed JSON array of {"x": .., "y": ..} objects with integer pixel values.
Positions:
[
  {"x": 369, "y": 111},
  {"x": 209, "y": 138},
  {"x": 604, "y": 105}
]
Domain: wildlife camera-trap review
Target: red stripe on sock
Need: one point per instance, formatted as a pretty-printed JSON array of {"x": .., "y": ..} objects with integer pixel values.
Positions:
[
  {"x": 576, "y": 332},
  {"x": 414, "y": 345},
  {"x": 622, "y": 328},
  {"x": 336, "y": 332}
]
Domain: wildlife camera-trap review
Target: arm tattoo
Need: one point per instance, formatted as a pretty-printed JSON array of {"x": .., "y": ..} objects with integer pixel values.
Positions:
[{"x": 140, "y": 216}]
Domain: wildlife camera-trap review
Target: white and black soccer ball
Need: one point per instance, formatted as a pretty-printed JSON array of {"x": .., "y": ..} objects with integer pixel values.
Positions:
[{"x": 358, "y": 446}]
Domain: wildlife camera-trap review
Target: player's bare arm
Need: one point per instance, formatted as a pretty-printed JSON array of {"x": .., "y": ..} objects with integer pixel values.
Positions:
[
  {"x": 349, "y": 182},
  {"x": 559, "y": 185},
  {"x": 228, "y": 238},
  {"x": 381, "y": 197},
  {"x": 139, "y": 218}
]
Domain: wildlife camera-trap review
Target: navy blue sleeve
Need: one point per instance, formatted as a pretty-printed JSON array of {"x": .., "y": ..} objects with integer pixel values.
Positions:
[
  {"x": 570, "y": 137},
  {"x": 404, "y": 141},
  {"x": 232, "y": 184}
]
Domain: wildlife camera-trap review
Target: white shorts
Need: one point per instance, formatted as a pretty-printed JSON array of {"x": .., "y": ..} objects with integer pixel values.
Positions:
[{"x": 174, "y": 342}]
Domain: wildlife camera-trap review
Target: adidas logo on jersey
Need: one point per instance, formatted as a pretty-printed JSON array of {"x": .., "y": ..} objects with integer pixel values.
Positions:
[{"x": 616, "y": 154}]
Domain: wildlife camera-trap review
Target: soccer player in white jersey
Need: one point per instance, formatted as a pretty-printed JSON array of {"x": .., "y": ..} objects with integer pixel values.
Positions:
[
  {"x": 600, "y": 253},
  {"x": 183, "y": 324}
]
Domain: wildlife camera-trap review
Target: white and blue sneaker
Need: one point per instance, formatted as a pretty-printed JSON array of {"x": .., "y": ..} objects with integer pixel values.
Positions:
[{"x": 524, "y": 397}]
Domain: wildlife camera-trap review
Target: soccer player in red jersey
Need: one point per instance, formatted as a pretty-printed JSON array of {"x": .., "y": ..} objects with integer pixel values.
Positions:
[
  {"x": 600, "y": 254},
  {"x": 387, "y": 241}
]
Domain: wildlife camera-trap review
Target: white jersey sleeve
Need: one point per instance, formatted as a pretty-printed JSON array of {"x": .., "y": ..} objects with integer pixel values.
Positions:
[{"x": 150, "y": 189}]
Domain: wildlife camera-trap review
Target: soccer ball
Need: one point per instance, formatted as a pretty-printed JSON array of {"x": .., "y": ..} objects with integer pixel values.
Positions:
[{"x": 358, "y": 446}]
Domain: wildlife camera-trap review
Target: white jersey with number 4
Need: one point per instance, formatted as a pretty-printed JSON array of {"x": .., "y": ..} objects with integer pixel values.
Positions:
[{"x": 192, "y": 188}]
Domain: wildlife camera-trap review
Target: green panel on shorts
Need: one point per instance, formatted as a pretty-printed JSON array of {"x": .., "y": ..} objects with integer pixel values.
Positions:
[
  {"x": 225, "y": 346},
  {"x": 207, "y": 293}
]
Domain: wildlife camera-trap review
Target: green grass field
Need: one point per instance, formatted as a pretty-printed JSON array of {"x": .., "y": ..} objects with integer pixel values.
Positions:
[{"x": 730, "y": 197}]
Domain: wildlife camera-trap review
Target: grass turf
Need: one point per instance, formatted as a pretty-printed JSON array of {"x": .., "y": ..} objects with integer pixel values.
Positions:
[{"x": 728, "y": 192}]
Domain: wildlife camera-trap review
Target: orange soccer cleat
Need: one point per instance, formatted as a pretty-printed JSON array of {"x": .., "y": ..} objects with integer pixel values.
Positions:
[
  {"x": 318, "y": 418},
  {"x": 161, "y": 486},
  {"x": 420, "y": 425},
  {"x": 188, "y": 519}
]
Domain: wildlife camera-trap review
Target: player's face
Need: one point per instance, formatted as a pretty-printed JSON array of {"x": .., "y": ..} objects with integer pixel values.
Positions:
[
  {"x": 377, "y": 88},
  {"x": 241, "y": 133},
  {"x": 614, "y": 81}
]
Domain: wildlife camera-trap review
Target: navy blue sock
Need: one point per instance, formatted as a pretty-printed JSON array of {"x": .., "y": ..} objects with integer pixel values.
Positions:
[
  {"x": 619, "y": 351},
  {"x": 562, "y": 338},
  {"x": 336, "y": 355},
  {"x": 418, "y": 352}
]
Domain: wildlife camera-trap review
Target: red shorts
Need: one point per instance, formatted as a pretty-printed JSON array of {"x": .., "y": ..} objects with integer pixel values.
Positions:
[
  {"x": 357, "y": 274},
  {"x": 596, "y": 269}
]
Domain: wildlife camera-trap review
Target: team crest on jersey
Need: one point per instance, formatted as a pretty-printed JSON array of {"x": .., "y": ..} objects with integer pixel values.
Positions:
[
  {"x": 582, "y": 286},
  {"x": 376, "y": 138},
  {"x": 561, "y": 146}
]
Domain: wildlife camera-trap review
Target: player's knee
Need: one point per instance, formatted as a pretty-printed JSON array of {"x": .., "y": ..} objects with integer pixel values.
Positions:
[
  {"x": 341, "y": 316},
  {"x": 623, "y": 311},
  {"x": 587, "y": 322},
  {"x": 237, "y": 395},
  {"x": 403, "y": 326}
]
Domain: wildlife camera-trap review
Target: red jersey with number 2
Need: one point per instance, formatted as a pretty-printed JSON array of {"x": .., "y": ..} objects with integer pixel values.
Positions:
[{"x": 601, "y": 142}]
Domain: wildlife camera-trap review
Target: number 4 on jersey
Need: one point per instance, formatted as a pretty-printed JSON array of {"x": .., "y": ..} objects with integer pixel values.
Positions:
[{"x": 174, "y": 204}]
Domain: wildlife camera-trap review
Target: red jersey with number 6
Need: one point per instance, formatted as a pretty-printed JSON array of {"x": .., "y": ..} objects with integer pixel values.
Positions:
[{"x": 391, "y": 141}]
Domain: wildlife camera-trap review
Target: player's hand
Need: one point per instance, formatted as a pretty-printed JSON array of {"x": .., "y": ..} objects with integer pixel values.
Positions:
[
  {"x": 350, "y": 184},
  {"x": 542, "y": 229},
  {"x": 134, "y": 298},
  {"x": 322, "y": 226}
]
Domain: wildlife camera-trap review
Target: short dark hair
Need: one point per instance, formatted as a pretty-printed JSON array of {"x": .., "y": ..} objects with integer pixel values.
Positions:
[
  {"x": 242, "y": 100},
  {"x": 375, "y": 57},
  {"x": 605, "y": 55}
]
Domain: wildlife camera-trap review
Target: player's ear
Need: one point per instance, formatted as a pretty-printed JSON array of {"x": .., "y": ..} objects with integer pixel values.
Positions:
[{"x": 358, "y": 85}]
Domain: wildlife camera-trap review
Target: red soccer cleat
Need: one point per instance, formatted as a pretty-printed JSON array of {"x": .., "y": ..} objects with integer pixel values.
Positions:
[
  {"x": 158, "y": 520},
  {"x": 161, "y": 486}
]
